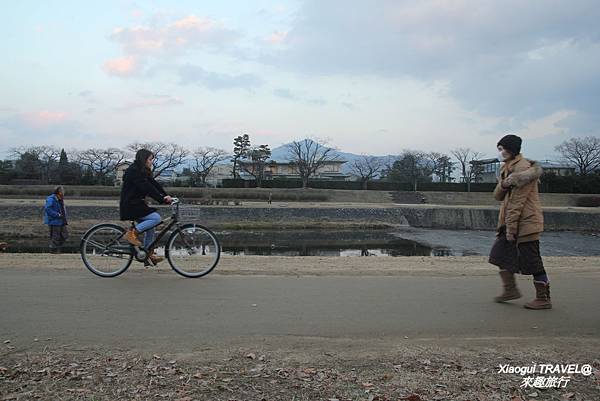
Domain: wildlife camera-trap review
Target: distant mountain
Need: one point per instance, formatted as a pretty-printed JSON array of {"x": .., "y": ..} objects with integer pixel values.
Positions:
[{"x": 281, "y": 154}]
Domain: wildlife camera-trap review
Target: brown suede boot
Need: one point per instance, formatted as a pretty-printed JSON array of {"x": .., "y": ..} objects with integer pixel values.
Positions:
[
  {"x": 154, "y": 259},
  {"x": 510, "y": 287},
  {"x": 131, "y": 236},
  {"x": 542, "y": 296}
]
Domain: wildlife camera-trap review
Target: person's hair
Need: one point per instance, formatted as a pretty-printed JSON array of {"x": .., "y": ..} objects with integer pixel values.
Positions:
[
  {"x": 59, "y": 189},
  {"x": 140, "y": 160}
]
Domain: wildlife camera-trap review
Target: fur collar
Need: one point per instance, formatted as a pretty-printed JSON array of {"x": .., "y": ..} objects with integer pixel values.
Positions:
[{"x": 523, "y": 176}]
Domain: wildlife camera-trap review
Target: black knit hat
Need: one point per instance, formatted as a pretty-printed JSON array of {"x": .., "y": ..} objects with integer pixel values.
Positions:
[{"x": 512, "y": 143}]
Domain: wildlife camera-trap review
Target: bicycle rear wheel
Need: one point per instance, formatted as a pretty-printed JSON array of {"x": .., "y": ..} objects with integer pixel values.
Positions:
[
  {"x": 104, "y": 251},
  {"x": 193, "y": 250}
]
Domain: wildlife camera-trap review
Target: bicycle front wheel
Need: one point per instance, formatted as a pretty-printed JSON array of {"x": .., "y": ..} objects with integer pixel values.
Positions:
[
  {"x": 104, "y": 250},
  {"x": 193, "y": 250}
]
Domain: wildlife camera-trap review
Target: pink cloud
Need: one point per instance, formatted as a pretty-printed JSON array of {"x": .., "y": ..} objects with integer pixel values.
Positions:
[
  {"x": 138, "y": 39},
  {"x": 122, "y": 66},
  {"x": 142, "y": 43},
  {"x": 195, "y": 23},
  {"x": 45, "y": 118},
  {"x": 277, "y": 37},
  {"x": 187, "y": 32}
]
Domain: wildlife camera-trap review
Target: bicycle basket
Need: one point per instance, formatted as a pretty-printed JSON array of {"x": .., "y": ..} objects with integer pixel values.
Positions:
[{"x": 189, "y": 212}]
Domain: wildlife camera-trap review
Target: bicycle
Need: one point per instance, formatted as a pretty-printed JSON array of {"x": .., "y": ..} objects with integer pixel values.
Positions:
[{"x": 192, "y": 249}]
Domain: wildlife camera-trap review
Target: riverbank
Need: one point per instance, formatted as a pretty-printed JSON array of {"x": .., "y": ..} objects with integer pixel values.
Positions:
[{"x": 19, "y": 214}]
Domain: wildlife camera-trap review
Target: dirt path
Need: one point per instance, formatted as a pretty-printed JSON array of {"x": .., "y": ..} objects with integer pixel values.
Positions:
[
  {"x": 323, "y": 266},
  {"x": 291, "y": 328}
]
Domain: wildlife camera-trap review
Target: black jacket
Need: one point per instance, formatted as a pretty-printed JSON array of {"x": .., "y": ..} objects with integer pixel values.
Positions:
[{"x": 136, "y": 186}]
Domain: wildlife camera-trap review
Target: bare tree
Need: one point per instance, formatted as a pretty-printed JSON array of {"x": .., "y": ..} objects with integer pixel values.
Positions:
[
  {"x": 166, "y": 155},
  {"x": 307, "y": 156},
  {"x": 367, "y": 168},
  {"x": 388, "y": 165},
  {"x": 582, "y": 152},
  {"x": 465, "y": 156},
  {"x": 102, "y": 162},
  {"x": 48, "y": 157},
  {"x": 476, "y": 172},
  {"x": 410, "y": 167},
  {"x": 441, "y": 165},
  {"x": 255, "y": 162},
  {"x": 204, "y": 160}
]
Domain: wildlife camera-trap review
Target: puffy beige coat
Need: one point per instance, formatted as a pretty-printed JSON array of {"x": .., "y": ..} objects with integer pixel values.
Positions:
[{"x": 521, "y": 210}]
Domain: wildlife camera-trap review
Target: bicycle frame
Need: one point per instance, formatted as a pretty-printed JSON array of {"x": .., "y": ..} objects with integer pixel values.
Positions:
[{"x": 173, "y": 221}]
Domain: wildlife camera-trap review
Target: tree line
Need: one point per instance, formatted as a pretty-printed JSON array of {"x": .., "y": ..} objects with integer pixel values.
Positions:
[{"x": 97, "y": 166}]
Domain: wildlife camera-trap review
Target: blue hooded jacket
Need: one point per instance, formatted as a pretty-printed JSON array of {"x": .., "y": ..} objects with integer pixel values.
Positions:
[{"x": 53, "y": 215}]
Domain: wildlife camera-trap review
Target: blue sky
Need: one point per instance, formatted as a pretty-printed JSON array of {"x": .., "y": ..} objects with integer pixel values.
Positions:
[{"x": 371, "y": 77}]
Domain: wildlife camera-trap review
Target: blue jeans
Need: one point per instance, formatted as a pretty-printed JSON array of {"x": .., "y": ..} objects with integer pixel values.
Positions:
[{"x": 146, "y": 225}]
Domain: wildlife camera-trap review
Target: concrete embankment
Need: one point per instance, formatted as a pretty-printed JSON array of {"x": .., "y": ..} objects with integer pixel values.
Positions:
[
  {"x": 424, "y": 216},
  {"x": 486, "y": 199}
]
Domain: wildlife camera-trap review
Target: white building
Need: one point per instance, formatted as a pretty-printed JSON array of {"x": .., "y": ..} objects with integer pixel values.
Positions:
[
  {"x": 491, "y": 168},
  {"x": 558, "y": 168},
  {"x": 120, "y": 170},
  {"x": 329, "y": 170},
  {"x": 218, "y": 173}
]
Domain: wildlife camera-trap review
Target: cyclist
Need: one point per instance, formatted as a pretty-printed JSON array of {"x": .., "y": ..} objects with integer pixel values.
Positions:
[{"x": 138, "y": 183}]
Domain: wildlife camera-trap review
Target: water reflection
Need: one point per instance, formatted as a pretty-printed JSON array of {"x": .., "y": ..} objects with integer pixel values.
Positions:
[{"x": 291, "y": 243}]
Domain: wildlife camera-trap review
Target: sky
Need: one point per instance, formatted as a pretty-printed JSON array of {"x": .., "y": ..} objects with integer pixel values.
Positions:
[{"x": 367, "y": 77}]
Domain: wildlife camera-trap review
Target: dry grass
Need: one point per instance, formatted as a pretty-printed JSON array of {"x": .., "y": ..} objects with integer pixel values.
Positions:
[{"x": 317, "y": 369}]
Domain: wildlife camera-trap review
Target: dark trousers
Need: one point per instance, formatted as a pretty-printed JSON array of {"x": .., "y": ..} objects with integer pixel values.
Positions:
[
  {"x": 58, "y": 236},
  {"x": 523, "y": 258}
]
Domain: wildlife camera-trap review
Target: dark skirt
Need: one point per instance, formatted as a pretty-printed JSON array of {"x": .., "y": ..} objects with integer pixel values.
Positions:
[{"x": 523, "y": 258}]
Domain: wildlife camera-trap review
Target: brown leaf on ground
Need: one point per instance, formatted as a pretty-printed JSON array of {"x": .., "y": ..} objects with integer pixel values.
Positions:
[{"x": 412, "y": 397}]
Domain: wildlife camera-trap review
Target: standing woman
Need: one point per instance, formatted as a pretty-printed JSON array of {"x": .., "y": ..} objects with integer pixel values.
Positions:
[
  {"x": 520, "y": 223},
  {"x": 138, "y": 183},
  {"x": 55, "y": 216}
]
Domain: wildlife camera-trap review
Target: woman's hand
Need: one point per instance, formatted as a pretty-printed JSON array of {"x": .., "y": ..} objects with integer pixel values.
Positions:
[
  {"x": 506, "y": 183},
  {"x": 510, "y": 237},
  {"x": 168, "y": 199}
]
